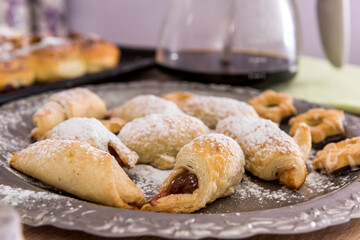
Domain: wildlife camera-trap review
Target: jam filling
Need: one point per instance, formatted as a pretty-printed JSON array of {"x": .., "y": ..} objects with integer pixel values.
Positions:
[
  {"x": 186, "y": 184},
  {"x": 116, "y": 156}
]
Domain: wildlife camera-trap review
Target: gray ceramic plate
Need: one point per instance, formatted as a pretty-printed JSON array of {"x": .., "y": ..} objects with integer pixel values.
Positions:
[{"x": 256, "y": 207}]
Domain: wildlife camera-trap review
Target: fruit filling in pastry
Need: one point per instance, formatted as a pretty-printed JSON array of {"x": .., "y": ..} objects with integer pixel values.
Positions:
[
  {"x": 211, "y": 109},
  {"x": 326, "y": 125},
  {"x": 270, "y": 153},
  {"x": 274, "y": 106},
  {"x": 207, "y": 168},
  {"x": 142, "y": 106},
  {"x": 184, "y": 184},
  {"x": 77, "y": 102},
  {"x": 339, "y": 156},
  {"x": 91, "y": 131},
  {"x": 157, "y": 138}
]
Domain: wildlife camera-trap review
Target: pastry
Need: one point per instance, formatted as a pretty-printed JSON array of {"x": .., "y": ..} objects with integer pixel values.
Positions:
[
  {"x": 97, "y": 53},
  {"x": 274, "y": 106},
  {"x": 178, "y": 97},
  {"x": 325, "y": 125},
  {"x": 207, "y": 168},
  {"x": 269, "y": 152},
  {"x": 14, "y": 73},
  {"x": 78, "y": 102},
  {"x": 55, "y": 58},
  {"x": 211, "y": 109},
  {"x": 79, "y": 169},
  {"x": 142, "y": 106},
  {"x": 114, "y": 124},
  {"x": 11, "y": 39},
  {"x": 91, "y": 131},
  {"x": 157, "y": 138},
  {"x": 337, "y": 156}
]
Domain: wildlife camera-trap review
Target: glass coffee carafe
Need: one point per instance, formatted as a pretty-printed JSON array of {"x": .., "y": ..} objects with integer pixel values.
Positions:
[{"x": 243, "y": 42}]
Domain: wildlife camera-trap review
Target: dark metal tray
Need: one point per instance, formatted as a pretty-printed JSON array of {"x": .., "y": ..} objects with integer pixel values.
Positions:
[
  {"x": 257, "y": 207},
  {"x": 132, "y": 61}
]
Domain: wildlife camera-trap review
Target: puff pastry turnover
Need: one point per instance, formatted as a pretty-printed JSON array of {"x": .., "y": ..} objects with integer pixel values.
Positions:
[
  {"x": 336, "y": 156},
  {"x": 270, "y": 153},
  {"x": 79, "y": 169},
  {"x": 91, "y": 131},
  {"x": 157, "y": 138},
  {"x": 142, "y": 106},
  {"x": 78, "y": 102},
  {"x": 205, "y": 169},
  {"x": 211, "y": 109}
]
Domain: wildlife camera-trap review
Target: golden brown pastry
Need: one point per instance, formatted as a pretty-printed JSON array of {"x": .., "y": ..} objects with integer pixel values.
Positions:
[
  {"x": 269, "y": 152},
  {"x": 179, "y": 97},
  {"x": 274, "y": 106},
  {"x": 79, "y": 169},
  {"x": 14, "y": 73},
  {"x": 78, "y": 102},
  {"x": 11, "y": 39},
  {"x": 157, "y": 138},
  {"x": 207, "y": 168},
  {"x": 325, "y": 125},
  {"x": 114, "y": 124},
  {"x": 97, "y": 53},
  {"x": 54, "y": 59},
  {"x": 91, "y": 131},
  {"x": 211, "y": 109},
  {"x": 337, "y": 156},
  {"x": 143, "y": 105}
]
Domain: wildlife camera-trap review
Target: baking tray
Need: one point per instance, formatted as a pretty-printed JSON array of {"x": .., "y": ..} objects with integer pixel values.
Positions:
[
  {"x": 257, "y": 207},
  {"x": 132, "y": 61}
]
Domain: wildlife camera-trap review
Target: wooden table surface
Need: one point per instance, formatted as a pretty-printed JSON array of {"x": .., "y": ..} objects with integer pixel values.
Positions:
[{"x": 346, "y": 231}]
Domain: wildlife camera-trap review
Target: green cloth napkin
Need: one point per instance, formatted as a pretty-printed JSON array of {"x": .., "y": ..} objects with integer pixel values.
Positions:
[{"x": 317, "y": 81}]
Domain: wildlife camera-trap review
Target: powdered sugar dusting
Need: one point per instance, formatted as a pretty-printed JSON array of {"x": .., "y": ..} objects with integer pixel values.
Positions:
[
  {"x": 144, "y": 105},
  {"x": 160, "y": 135},
  {"x": 213, "y": 109},
  {"x": 147, "y": 178},
  {"x": 16, "y": 196}
]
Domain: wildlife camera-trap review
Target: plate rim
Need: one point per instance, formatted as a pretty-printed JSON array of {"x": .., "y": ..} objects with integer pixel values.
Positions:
[{"x": 341, "y": 205}]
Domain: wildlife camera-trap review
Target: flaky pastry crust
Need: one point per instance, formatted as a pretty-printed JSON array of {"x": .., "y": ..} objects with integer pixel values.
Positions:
[
  {"x": 157, "y": 138},
  {"x": 270, "y": 153},
  {"x": 79, "y": 169},
  {"x": 218, "y": 163},
  {"x": 78, "y": 102},
  {"x": 91, "y": 131}
]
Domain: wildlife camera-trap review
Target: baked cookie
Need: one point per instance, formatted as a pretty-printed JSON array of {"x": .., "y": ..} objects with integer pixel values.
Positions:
[
  {"x": 326, "y": 125},
  {"x": 157, "y": 138},
  {"x": 274, "y": 106},
  {"x": 80, "y": 169},
  {"x": 206, "y": 169},
  {"x": 269, "y": 152},
  {"x": 142, "y": 106},
  {"x": 337, "y": 156},
  {"x": 91, "y": 131},
  {"x": 211, "y": 109},
  {"x": 77, "y": 102}
]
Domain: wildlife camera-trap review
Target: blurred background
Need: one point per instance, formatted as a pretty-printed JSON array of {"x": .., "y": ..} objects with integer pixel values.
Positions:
[{"x": 138, "y": 22}]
